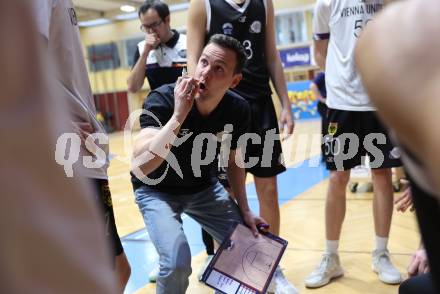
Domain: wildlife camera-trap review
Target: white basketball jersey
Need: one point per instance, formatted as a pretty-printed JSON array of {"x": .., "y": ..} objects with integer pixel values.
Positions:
[
  {"x": 57, "y": 22},
  {"x": 342, "y": 22}
]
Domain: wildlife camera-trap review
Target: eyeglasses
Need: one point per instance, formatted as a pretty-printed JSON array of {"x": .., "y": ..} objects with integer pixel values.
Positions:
[{"x": 146, "y": 28}]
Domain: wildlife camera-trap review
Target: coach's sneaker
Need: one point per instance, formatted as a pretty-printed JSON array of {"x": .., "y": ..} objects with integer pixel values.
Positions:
[
  {"x": 329, "y": 268},
  {"x": 384, "y": 268},
  {"x": 152, "y": 276},
  {"x": 280, "y": 284}
]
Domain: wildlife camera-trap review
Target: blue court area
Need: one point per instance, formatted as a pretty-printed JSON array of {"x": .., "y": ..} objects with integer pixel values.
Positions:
[{"x": 141, "y": 252}]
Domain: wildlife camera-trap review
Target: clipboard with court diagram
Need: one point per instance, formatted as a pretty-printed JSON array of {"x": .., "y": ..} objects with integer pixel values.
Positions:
[{"x": 244, "y": 264}]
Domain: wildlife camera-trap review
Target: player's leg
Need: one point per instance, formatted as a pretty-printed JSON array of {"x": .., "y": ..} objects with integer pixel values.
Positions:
[
  {"x": 214, "y": 210},
  {"x": 162, "y": 216},
  {"x": 383, "y": 157},
  {"x": 122, "y": 267},
  {"x": 383, "y": 211},
  {"x": 270, "y": 163},
  {"x": 382, "y": 201},
  {"x": 269, "y": 153},
  {"x": 330, "y": 266},
  {"x": 340, "y": 156},
  {"x": 267, "y": 192},
  {"x": 335, "y": 205}
]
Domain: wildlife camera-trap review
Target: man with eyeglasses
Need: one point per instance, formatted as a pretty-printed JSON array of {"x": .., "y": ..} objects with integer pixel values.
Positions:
[{"x": 162, "y": 55}]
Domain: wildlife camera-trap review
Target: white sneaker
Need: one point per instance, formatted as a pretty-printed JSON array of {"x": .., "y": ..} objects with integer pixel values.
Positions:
[
  {"x": 205, "y": 265},
  {"x": 152, "y": 276},
  {"x": 384, "y": 268},
  {"x": 329, "y": 268},
  {"x": 280, "y": 284}
]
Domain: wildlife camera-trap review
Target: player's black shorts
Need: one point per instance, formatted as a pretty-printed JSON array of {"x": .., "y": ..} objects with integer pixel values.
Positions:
[
  {"x": 105, "y": 199},
  {"x": 264, "y": 123},
  {"x": 351, "y": 135},
  {"x": 223, "y": 177}
]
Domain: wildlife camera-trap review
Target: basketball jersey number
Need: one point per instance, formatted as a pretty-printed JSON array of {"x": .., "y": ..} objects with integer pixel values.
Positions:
[
  {"x": 359, "y": 25},
  {"x": 248, "y": 49}
]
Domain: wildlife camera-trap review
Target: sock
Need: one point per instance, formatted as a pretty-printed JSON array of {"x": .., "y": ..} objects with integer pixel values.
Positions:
[
  {"x": 332, "y": 246},
  {"x": 381, "y": 243}
]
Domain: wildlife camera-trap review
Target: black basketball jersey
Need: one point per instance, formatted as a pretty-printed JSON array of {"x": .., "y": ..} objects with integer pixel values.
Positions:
[{"x": 246, "y": 23}]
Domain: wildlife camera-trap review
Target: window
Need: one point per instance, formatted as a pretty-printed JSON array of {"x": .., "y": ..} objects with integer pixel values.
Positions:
[
  {"x": 130, "y": 46},
  {"x": 291, "y": 27},
  {"x": 103, "y": 57}
]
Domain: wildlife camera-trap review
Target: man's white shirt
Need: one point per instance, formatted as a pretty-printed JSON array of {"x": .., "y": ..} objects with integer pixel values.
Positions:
[{"x": 342, "y": 22}]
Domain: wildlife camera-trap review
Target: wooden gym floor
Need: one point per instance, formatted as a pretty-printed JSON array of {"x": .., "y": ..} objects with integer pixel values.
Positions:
[{"x": 302, "y": 224}]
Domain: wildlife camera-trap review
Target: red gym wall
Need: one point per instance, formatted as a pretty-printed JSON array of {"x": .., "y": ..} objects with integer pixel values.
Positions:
[{"x": 117, "y": 105}]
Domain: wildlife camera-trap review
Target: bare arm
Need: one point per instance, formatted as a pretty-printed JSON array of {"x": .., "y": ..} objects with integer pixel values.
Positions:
[
  {"x": 276, "y": 72},
  {"x": 196, "y": 33},
  {"x": 136, "y": 78},
  {"x": 152, "y": 146},
  {"x": 320, "y": 52},
  {"x": 236, "y": 178}
]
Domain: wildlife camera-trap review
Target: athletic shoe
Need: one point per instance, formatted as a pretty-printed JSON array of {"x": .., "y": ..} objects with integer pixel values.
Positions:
[
  {"x": 280, "y": 284},
  {"x": 329, "y": 268},
  {"x": 384, "y": 268}
]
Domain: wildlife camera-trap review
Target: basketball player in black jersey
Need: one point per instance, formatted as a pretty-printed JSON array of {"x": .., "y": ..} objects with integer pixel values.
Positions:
[{"x": 252, "y": 23}]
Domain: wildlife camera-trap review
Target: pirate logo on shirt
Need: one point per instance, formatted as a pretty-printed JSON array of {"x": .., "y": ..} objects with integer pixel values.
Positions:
[
  {"x": 332, "y": 128},
  {"x": 227, "y": 28}
]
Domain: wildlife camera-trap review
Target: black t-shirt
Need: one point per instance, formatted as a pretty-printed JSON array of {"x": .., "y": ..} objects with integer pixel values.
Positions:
[
  {"x": 246, "y": 23},
  {"x": 232, "y": 110}
]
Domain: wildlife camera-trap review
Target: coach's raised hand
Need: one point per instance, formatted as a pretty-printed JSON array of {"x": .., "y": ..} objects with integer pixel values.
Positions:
[{"x": 184, "y": 92}]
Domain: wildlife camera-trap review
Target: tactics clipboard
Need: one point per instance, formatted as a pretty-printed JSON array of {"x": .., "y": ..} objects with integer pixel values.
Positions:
[{"x": 244, "y": 264}]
